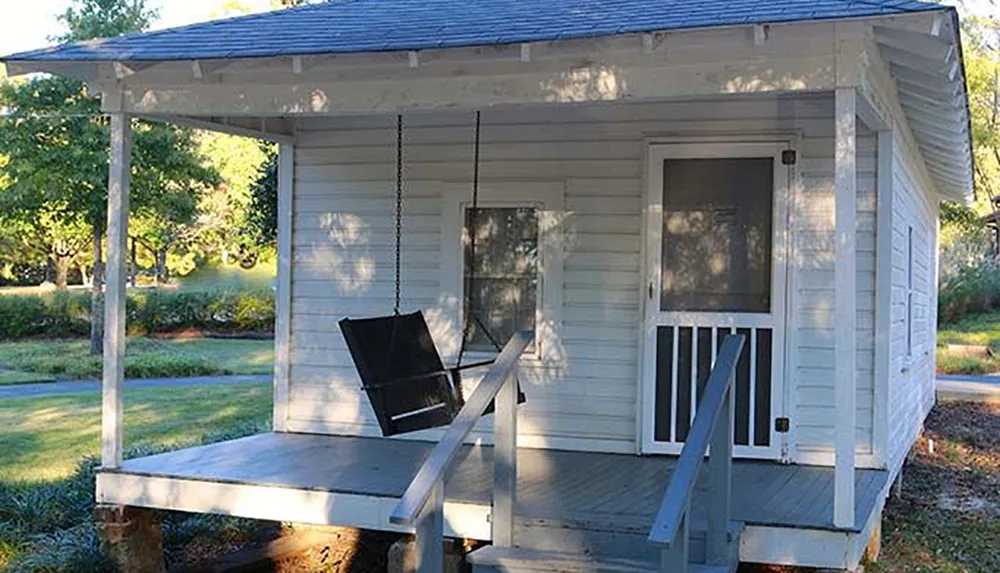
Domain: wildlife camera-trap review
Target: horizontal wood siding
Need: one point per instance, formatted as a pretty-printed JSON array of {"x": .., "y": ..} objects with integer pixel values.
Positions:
[
  {"x": 911, "y": 374},
  {"x": 815, "y": 313},
  {"x": 586, "y": 398}
]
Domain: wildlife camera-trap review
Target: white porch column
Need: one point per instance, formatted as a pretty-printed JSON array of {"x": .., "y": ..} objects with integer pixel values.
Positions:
[
  {"x": 114, "y": 303},
  {"x": 283, "y": 302},
  {"x": 845, "y": 304}
]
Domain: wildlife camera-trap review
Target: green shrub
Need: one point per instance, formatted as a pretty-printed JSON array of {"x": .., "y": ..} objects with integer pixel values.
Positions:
[
  {"x": 56, "y": 314},
  {"x": 164, "y": 365},
  {"x": 64, "y": 314},
  {"x": 22, "y": 316},
  {"x": 227, "y": 312},
  {"x": 969, "y": 290}
]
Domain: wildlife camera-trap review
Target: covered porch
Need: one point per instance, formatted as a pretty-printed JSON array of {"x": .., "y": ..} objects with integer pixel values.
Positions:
[
  {"x": 573, "y": 501},
  {"x": 580, "y": 118}
]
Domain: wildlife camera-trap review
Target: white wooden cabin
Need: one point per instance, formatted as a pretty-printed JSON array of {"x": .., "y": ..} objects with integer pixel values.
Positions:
[{"x": 689, "y": 170}]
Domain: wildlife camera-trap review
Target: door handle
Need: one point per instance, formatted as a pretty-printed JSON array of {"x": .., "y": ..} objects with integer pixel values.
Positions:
[{"x": 650, "y": 290}]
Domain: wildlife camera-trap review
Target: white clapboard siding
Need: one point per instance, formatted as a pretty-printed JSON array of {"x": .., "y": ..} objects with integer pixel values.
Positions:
[
  {"x": 911, "y": 375},
  {"x": 812, "y": 379},
  {"x": 343, "y": 262}
]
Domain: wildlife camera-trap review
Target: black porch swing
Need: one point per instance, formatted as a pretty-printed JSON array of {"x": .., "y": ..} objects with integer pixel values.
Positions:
[{"x": 401, "y": 371}]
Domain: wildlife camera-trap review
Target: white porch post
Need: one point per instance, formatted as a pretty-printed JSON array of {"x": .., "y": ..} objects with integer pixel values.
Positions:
[
  {"x": 845, "y": 304},
  {"x": 114, "y": 305},
  {"x": 283, "y": 302}
]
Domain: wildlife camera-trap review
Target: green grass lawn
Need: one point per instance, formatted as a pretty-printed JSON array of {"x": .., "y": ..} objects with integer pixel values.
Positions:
[
  {"x": 979, "y": 330},
  {"x": 217, "y": 276},
  {"x": 44, "y": 438},
  {"x": 47, "y": 459},
  {"x": 145, "y": 357}
]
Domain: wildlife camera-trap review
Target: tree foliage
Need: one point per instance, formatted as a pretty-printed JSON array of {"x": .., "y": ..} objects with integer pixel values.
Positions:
[
  {"x": 91, "y": 19},
  {"x": 263, "y": 219},
  {"x": 56, "y": 147},
  {"x": 982, "y": 62}
]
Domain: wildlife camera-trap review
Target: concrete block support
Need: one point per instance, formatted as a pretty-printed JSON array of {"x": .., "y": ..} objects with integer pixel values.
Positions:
[
  {"x": 403, "y": 557},
  {"x": 131, "y": 538}
]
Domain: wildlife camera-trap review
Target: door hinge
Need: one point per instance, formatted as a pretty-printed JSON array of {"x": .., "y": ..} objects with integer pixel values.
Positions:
[
  {"x": 789, "y": 157},
  {"x": 782, "y": 425}
]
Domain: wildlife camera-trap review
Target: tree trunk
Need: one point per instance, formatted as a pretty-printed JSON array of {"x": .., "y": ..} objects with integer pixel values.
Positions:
[
  {"x": 97, "y": 292},
  {"x": 62, "y": 272},
  {"x": 161, "y": 267},
  {"x": 134, "y": 267}
]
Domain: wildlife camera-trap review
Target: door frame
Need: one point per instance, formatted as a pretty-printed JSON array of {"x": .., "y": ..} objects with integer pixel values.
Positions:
[{"x": 734, "y": 146}]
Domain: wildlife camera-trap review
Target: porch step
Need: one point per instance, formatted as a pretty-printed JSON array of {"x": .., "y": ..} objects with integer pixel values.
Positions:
[
  {"x": 520, "y": 560},
  {"x": 611, "y": 537}
]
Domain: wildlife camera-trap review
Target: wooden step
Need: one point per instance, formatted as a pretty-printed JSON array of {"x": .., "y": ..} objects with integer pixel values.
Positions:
[
  {"x": 609, "y": 537},
  {"x": 519, "y": 560}
]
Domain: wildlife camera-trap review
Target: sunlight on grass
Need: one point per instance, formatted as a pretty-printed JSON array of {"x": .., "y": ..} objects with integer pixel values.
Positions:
[
  {"x": 145, "y": 357},
  {"x": 974, "y": 330},
  {"x": 43, "y": 439},
  {"x": 979, "y": 329},
  {"x": 217, "y": 277}
]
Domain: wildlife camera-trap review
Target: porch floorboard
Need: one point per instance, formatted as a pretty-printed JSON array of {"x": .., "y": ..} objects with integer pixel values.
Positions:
[{"x": 551, "y": 484}]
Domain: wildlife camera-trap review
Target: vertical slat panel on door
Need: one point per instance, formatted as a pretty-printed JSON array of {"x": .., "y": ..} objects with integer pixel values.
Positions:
[
  {"x": 684, "y": 368},
  {"x": 762, "y": 405},
  {"x": 705, "y": 358},
  {"x": 742, "y": 429},
  {"x": 673, "y": 383},
  {"x": 665, "y": 366}
]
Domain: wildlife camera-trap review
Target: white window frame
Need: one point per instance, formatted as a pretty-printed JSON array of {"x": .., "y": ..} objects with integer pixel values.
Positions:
[
  {"x": 549, "y": 198},
  {"x": 910, "y": 290}
]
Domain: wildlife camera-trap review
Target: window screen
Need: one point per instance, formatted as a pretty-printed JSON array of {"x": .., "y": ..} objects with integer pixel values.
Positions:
[
  {"x": 501, "y": 280},
  {"x": 717, "y": 224}
]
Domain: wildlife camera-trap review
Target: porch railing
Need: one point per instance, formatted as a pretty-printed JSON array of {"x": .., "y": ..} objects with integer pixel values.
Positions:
[
  {"x": 422, "y": 505},
  {"x": 713, "y": 423}
]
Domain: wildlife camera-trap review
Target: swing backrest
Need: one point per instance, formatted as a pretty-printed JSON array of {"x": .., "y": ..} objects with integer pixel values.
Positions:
[{"x": 402, "y": 372}]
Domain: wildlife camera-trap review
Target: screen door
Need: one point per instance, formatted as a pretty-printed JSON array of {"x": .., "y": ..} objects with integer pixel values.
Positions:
[{"x": 716, "y": 259}]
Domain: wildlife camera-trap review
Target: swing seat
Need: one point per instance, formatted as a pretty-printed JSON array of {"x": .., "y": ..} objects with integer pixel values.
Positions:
[{"x": 401, "y": 371}]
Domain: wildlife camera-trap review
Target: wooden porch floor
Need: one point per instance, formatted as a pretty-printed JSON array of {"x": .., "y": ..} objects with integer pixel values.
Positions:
[{"x": 551, "y": 484}]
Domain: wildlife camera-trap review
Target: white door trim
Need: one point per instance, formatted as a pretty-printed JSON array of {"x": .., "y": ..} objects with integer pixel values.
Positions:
[{"x": 658, "y": 150}]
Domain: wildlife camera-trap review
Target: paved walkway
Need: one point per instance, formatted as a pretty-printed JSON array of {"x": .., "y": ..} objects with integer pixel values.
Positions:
[
  {"x": 72, "y": 387},
  {"x": 975, "y": 388}
]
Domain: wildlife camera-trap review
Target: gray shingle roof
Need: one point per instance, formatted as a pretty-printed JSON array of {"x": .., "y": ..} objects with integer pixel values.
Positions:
[{"x": 344, "y": 26}]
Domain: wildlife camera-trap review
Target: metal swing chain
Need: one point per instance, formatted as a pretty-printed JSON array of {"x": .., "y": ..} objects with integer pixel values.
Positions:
[
  {"x": 399, "y": 206},
  {"x": 474, "y": 211}
]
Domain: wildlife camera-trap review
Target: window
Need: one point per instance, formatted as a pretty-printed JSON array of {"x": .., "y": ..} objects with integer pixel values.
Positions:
[
  {"x": 717, "y": 235},
  {"x": 909, "y": 291},
  {"x": 500, "y": 279}
]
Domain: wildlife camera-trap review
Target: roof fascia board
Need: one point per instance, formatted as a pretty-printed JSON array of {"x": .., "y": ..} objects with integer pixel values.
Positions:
[
  {"x": 178, "y": 71},
  {"x": 713, "y": 62}
]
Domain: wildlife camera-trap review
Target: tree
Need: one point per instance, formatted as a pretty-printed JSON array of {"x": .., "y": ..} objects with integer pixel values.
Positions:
[
  {"x": 92, "y": 19},
  {"x": 224, "y": 212},
  {"x": 56, "y": 143},
  {"x": 263, "y": 217},
  {"x": 982, "y": 64}
]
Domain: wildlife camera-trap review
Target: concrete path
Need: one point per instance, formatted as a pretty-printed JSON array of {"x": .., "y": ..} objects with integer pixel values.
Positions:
[
  {"x": 953, "y": 387},
  {"x": 72, "y": 387}
]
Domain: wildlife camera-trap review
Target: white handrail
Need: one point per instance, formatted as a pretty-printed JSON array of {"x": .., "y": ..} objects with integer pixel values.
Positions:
[
  {"x": 432, "y": 471},
  {"x": 672, "y": 517}
]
